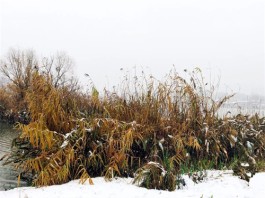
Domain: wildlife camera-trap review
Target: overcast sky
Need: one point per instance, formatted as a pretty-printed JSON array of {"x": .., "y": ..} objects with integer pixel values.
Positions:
[{"x": 224, "y": 37}]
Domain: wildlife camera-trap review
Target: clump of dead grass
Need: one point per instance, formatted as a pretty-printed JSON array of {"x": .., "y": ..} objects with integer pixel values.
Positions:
[{"x": 147, "y": 129}]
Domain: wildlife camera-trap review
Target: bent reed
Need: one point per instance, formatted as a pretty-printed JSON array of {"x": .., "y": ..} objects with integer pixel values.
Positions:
[{"x": 147, "y": 129}]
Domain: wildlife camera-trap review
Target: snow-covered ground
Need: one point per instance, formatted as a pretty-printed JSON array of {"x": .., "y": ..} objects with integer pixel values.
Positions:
[{"x": 217, "y": 184}]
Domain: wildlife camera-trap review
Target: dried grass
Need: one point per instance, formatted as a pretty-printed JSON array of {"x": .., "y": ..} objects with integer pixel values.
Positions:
[{"x": 169, "y": 123}]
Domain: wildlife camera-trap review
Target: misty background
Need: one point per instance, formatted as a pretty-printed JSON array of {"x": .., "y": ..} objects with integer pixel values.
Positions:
[{"x": 223, "y": 38}]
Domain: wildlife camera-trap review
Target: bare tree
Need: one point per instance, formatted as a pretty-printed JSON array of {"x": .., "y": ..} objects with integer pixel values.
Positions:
[
  {"x": 19, "y": 67},
  {"x": 57, "y": 69}
]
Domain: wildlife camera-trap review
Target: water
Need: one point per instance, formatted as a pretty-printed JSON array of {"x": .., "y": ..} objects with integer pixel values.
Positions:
[
  {"x": 235, "y": 109},
  {"x": 8, "y": 175}
]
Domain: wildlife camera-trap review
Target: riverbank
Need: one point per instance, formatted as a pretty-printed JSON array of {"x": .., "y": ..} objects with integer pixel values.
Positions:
[{"x": 216, "y": 184}]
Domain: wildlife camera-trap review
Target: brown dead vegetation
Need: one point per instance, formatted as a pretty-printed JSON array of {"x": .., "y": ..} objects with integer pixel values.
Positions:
[{"x": 147, "y": 129}]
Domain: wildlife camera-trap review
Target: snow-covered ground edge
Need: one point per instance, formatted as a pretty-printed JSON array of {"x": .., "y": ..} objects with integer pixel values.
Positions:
[{"x": 216, "y": 184}]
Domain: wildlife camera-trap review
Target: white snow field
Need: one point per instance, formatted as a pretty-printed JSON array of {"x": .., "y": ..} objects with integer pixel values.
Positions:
[{"x": 217, "y": 184}]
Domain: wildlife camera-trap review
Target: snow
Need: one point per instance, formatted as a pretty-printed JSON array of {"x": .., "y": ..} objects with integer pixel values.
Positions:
[
  {"x": 216, "y": 184},
  {"x": 244, "y": 164},
  {"x": 64, "y": 144},
  {"x": 164, "y": 172}
]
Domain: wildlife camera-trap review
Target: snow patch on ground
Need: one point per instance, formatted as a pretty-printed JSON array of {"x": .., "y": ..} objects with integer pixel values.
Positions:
[{"x": 217, "y": 184}]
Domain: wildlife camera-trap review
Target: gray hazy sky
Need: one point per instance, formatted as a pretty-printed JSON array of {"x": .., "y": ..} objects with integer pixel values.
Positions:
[{"x": 224, "y": 37}]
